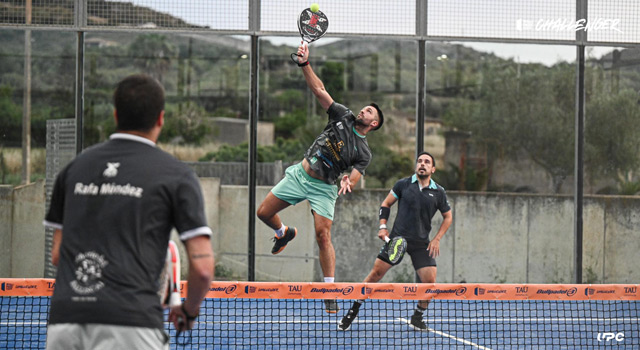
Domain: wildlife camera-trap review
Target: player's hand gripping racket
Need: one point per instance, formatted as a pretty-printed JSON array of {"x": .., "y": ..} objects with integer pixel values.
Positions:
[
  {"x": 170, "y": 292},
  {"x": 312, "y": 26},
  {"x": 396, "y": 248}
]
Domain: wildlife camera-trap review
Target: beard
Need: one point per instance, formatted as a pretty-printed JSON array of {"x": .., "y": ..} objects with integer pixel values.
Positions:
[
  {"x": 361, "y": 122},
  {"x": 422, "y": 176}
]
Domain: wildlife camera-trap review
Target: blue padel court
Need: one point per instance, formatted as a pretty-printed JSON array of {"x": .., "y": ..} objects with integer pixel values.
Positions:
[{"x": 381, "y": 324}]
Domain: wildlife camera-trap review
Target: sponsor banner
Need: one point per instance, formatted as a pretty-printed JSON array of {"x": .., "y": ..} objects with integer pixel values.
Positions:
[
  {"x": 555, "y": 292},
  {"x": 490, "y": 291},
  {"x": 330, "y": 291},
  {"x": 443, "y": 291},
  {"x": 351, "y": 291},
  {"x": 27, "y": 287},
  {"x": 221, "y": 290},
  {"x": 388, "y": 291}
]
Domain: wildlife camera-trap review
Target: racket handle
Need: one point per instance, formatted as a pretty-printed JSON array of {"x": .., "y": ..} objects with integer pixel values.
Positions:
[
  {"x": 174, "y": 299},
  {"x": 295, "y": 58},
  {"x": 386, "y": 239}
]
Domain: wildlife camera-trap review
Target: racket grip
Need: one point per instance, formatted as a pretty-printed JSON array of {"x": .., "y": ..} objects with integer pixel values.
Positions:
[
  {"x": 174, "y": 299},
  {"x": 386, "y": 239}
]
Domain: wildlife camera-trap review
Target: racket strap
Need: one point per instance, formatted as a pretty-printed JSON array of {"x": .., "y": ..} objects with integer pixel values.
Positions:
[{"x": 306, "y": 63}]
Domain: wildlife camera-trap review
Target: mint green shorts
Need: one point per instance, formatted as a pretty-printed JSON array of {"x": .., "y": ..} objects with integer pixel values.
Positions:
[{"x": 297, "y": 186}]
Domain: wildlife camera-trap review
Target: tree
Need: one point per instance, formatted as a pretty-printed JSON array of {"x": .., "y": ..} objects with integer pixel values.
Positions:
[
  {"x": 152, "y": 53},
  {"x": 612, "y": 134},
  {"x": 520, "y": 108}
]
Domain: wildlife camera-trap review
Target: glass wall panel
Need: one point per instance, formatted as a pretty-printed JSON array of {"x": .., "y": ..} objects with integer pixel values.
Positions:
[
  {"x": 196, "y": 14},
  {"x": 612, "y": 135},
  {"x": 206, "y": 81},
  {"x": 46, "y": 91},
  {"x": 355, "y": 73},
  {"x": 612, "y": 165},
  {"x": 535, "y": 19},
  {"x": 500, "y": 117},
  {"x": 371, "y": 17},
  {"x": 614, "y": 21}
]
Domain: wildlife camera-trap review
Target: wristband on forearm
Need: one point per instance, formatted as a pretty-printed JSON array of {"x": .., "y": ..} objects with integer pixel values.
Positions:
[
  {"x": 186, "y": 314},
  {"x": 384, "y": 213}
]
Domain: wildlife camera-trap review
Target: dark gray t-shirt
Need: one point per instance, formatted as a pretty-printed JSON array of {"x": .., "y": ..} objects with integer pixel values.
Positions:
[
  {"x": 416, "y": 208},
  {"x": 339, "y": 147},
  {"x": 116, "y": 204}
]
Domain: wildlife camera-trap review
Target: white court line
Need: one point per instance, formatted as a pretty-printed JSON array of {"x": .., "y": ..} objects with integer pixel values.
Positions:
[{"x": 463, "y": 341}]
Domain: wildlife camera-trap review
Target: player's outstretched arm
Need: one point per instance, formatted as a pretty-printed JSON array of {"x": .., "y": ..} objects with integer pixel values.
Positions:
[
  {"x": 201, "y": 269},
  {"x": 314, "y": 83}
]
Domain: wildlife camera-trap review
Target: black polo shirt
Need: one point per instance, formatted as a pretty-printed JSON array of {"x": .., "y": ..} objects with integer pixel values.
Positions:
[
  {"x": 116, "y": 204},
  {"x": 416, "y": 208},
  {"x": 351, "y": 147}
]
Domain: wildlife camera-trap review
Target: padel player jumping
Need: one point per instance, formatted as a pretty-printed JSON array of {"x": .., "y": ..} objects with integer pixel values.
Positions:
[
  {"x": 341, "y": 145},
  {"x": 418, "y": 199}
]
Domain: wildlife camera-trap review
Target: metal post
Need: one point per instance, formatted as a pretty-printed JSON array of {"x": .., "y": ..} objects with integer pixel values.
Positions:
[
  {"x": 579, "y": 163},
  {"x": 254, "y": 25},
  {"x": 581, "y": 37},
  {"x": 421, "y": 31},
  {"x": 79, "y": 92},
  {"x": 80, "y": 14},
  {"x": 26, "y": 102},
  {"x": 420, "y": 110}
]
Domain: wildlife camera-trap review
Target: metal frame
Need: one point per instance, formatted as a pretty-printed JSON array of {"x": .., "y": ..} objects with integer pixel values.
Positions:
[{"x": 422, "y": 36}]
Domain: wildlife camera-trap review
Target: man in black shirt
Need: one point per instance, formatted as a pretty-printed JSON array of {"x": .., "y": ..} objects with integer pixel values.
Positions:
[
  {"x": 117, "y": 203},
  {"x": 341, "y": 145},
  {"x": 418, "y": 197}
]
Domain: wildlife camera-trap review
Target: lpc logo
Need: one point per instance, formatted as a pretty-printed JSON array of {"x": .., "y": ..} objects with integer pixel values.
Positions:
[
  {"x": 6, "y": 286},
  {"x": 610, "y": 336}
]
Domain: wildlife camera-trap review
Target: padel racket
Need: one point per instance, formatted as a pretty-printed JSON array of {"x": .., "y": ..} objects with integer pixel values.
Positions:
[
  {"x": 396, "y": 248},
  {"x": 171, "y": 278},
  {"x": 312, "y": 26}
]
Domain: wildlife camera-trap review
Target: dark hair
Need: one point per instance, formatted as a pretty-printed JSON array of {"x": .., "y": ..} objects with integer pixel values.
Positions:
[
  {"x": 433, "y": 160},
  {"x": 380, "y": 115},
  {"x": 138, "y": 99}
]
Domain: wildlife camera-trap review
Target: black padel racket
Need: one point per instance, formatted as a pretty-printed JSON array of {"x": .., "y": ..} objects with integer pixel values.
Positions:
[
  {"x": 312, "y": 26},
  {"x": 396, "y": 248}
]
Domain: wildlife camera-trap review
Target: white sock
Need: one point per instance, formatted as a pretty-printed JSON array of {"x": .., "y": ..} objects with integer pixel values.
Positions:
[
  {"x": 280, "y": 231},
  {"x": 329, "y": 279}
]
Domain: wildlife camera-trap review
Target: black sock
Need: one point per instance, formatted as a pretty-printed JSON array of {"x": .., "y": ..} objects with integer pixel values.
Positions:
[
  {"x": 356, "y": 305},
  {"x": 419, "y": 310}
]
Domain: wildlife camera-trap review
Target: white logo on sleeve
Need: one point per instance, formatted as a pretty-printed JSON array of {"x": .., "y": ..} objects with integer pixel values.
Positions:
[{"x": 112, "y": 170}]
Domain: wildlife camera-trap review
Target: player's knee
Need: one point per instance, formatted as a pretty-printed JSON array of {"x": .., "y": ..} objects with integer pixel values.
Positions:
[
  {"x": 262, "y": 213},
  {"x": 323, "y": 238},
  {"x": 377, "y": 275}
]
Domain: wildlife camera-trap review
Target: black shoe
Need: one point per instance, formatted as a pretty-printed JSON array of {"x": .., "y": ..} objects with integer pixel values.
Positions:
[
  {"x": 331, "y": 306},
  {"x": 289, "y": 234},
  {"x": 417, "y": 323},
  {"x": 349, "y": 317}
]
